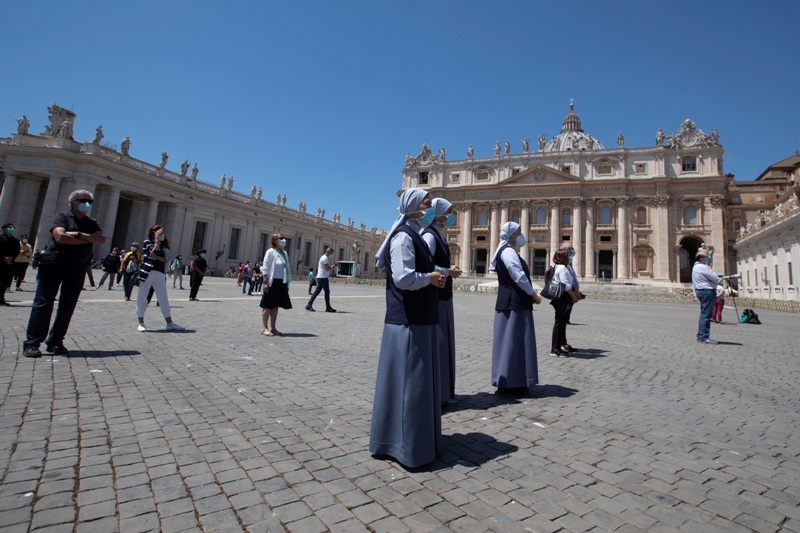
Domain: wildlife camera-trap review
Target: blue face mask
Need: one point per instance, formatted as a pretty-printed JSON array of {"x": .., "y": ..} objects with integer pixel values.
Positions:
[
  {"x": 427, "y": 217},
  {"x": 450, "y": 220},
  {"x": 84, "y": 207},
  {"x": 571, "y": 255}
]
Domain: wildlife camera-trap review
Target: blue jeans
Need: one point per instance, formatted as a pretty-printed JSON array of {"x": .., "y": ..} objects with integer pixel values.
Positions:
[
  {"x": 322, "y": 284},
  {"x": 68, "y": 278},
  {"x": 706, "y": 297}
]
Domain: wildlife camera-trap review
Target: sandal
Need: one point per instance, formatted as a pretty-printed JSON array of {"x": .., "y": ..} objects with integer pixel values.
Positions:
[
  {"x": 276, "y": 332},
  {"x": 267, "y": 333}
]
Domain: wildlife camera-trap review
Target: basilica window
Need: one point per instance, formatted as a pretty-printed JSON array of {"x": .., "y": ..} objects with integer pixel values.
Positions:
[
  {"x": 640, "y": 168},
  {"x": 689, "y": 164},
  {"x": 423, "y": 178},
  {"x": 565, "y": 217},
  {"x": 604, "y": 170},
  {"x": 567, "y": 169},
  {"x": 515, "y": 217},
  {"x": 233, "y": 245},
  {"x": 605, "y": 216},
  {"x": 690, "y": 215},
  {"x": 641, "y": 215},
  {"x": 737, "y": 225},
  {"x": 540, "y": 216},
  {"x": 455, "y": 177},
  {"x": 482, "y": 176},
  {"x": 483, "y": 218}
]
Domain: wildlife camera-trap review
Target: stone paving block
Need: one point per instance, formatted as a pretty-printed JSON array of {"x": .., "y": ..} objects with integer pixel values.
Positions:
[
  {"x": 52, "y": 516},
  {"x": 108, "y": 524}
]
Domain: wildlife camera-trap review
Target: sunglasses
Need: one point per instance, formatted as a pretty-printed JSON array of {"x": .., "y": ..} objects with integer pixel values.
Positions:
[{"x": 87, "y": 200}]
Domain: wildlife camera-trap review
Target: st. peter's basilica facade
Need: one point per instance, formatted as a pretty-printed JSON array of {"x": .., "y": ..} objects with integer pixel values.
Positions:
[{"x": 632, "y": 214}]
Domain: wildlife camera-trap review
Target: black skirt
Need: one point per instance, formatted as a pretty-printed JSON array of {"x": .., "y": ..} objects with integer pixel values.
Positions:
[{"x": 277, "y": 296}]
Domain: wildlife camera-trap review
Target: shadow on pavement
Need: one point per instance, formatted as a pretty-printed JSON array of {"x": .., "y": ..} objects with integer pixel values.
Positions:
[
  {"x": 470, "y": 449},
  {"x": 551, "y": 391},
  {"x": 588, "y": 353},
  {"x": 100, "y": 353},
  {"x": 479, "y": 401},
  {"x": 297, "y": 335}
]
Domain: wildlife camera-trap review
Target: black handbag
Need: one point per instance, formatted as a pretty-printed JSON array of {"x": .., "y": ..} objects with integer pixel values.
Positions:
[{"x": 552, "y": 290}]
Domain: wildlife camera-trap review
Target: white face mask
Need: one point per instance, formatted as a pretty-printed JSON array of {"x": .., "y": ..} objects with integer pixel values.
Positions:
[
  {"x": 521, "y": 241},
  {"x": 282, "y": 242},
  {"x": 202, "y": 256}
]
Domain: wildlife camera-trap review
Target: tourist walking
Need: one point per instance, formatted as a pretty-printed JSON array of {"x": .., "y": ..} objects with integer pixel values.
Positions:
[
  {"x": 62, "y": 269},
  {"x": 407, "y": 411},
  {"x": 177, "y": 271},
  {"x": 514, "y": 365},
  {"x": 197, "y": 271},
  {"x": 130, "y": 269},
  {"x": 152, "y": 274},
  {"x": 324, "y": 268},
  {"x": 111, "y": 264},
  {"x": 22, "y": 261},
  {"x": 435, "y": 238},
  {"x": 277, "y": 275}
]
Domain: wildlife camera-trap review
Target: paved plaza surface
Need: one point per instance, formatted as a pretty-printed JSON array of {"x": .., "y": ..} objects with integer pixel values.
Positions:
[{"x": 220, "y": 428}]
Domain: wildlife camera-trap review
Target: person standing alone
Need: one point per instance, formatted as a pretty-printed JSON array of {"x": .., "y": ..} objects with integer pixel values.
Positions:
[
  {"x": 9, "y": 249},
  {"x": 324, "y": 269},
  {"x": 62, "y": 266},
  {"x": 704, "y": 282}
]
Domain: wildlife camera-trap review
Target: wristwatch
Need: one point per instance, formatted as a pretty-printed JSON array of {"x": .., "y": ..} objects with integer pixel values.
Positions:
[{"x": 79, "y": 235}]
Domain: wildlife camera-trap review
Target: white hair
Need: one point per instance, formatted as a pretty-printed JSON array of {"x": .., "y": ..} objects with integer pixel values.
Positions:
[{"x": 80, "y": 192}]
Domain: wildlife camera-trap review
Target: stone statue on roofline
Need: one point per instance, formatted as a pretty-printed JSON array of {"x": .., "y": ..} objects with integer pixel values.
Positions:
[
  {"x": 660, "y": 137},
  {"x": 23, "y": 125},
  {"x": 184, "y": 167},
  {"x": 621, "y": 140},
  {"x": 164, "y": 158},
  {"x": 126, "y": 145},
  {"x": 253, "y": 192},
  {"x": 222, "y": 180},
  {"x": 497, "y": 149},
  {"x": 258, "y": 194},
  {"x": 194, "y": 171},
  {"x": 542, "y": 141},
  {"x": 526, "y": 145},
  {"x": 230, "y": 183},
  {"x": 98, "y": 135},
  {"x": 470, "y": 151},
  {"x": 507, "y": 147}
]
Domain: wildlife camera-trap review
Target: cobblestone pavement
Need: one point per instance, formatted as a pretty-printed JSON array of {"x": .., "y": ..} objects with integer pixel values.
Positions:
[{"x": 223, "y": 429}]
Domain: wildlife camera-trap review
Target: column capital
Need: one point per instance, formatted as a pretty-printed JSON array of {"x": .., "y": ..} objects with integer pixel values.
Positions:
[
  {"x": 463, "y": 206},
  {"x": 576, "y": 202},
  {"x": 504, "y": 204},
  {"x": 623, "y": 201}
]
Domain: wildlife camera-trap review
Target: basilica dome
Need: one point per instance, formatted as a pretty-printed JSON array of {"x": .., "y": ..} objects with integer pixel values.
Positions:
[{"x": 572, "y": 136}]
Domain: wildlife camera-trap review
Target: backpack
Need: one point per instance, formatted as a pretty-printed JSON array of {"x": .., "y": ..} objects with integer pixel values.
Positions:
[{"x": 749, "y": 317}]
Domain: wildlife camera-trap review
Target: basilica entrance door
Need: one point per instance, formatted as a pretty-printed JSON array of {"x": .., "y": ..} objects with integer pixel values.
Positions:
[
  {"x": 689, "y": 246},
  {"x": 539, "y": 265},
  {"x": 480, "y": 260},
  {"x": 605, "y": 266}
]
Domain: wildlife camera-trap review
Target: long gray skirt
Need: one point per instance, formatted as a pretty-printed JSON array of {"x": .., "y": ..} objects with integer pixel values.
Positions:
[
  {"x": 514, "y": 350},
  {"x": 407, "y": 414},
  {"x": 447, "y": 350}
]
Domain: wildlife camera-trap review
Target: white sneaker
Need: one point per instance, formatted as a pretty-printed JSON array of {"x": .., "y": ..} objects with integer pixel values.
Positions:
[
  {"x": 172, "y": 326},
  {"x": 142, "y": 328}
]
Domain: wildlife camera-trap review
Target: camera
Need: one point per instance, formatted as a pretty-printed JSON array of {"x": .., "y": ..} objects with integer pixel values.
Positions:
[
  {"x": 582, "y": 297},
  {"x": 732, "y": 276}
]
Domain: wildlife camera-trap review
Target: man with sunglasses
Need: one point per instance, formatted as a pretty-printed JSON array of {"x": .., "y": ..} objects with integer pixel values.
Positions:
[{"x": 62, "y": 265}]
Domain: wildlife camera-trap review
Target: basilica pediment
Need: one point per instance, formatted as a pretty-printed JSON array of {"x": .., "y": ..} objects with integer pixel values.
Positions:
[{"x": 541, "y": 175}]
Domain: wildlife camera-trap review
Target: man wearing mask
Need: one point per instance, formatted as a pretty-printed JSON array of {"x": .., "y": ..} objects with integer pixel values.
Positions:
[
  {"x": 324, "y": 269},
  {"x": 9, "y": 250},
  {"x": 22, "y": 261},
  {"x": 62, "y": 266},
  {"x": 197, "y": 270}
]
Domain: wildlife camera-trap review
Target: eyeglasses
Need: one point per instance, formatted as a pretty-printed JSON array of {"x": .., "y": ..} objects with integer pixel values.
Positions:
[{"x": 82, "y": 200}]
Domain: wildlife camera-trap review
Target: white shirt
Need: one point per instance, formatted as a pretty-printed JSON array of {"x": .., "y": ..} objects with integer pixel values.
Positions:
[
  {"x": 703, "y": 277},
  {"x": 323, "y": 272},
  {"x": 510, "y": 259},
  {"x": 563, "y": 275},
  {"x": 272, "y": 266}
]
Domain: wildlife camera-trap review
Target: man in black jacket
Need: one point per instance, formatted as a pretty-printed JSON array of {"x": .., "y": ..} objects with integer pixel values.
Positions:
[{"x": 9, "y": 250}]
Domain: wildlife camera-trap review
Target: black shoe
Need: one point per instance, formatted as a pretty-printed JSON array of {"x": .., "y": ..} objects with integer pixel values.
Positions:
[
  {"x": 309, "y": 308},
  {"x": 57, "y": 350},
  {"x": 31, "y": 351},
  {"x": 5, "y": 303},
  {"x": 330, "y": 310}
]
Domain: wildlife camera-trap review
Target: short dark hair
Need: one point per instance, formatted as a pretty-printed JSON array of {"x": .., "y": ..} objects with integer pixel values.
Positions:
[
  {"x": 9, "y": 225},
  {"x": 561, "y": 257}
]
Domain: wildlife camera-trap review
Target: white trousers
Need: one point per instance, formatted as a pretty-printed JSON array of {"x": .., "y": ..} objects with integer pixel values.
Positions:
[{"x": 157, "y": 280}]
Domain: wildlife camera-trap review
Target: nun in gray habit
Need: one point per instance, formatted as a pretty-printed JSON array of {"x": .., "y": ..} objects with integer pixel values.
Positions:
[
  {"x": 435, "y": 238},
  {"x": 514, "y": 367},
  {"x": 406, "y": 414}
]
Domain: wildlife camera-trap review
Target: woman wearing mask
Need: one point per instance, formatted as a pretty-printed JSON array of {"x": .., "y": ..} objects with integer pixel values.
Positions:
[
  {"x": 153, "y": 274},
  {"x": 22, "y": 261},
  {"x": 130, "y": 269},
  {"x": 407, "y": 411},
  {"x": 197, "y": 270},
  {"x": 436, "y": 240},
  {"x": 276, "y": 275},
  {"x": 563, "y": 306},
  {"x": 514, "y": 365}
]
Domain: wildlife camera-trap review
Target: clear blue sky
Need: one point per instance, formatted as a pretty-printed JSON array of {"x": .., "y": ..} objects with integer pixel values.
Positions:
[{"x": 321, "y": 100}]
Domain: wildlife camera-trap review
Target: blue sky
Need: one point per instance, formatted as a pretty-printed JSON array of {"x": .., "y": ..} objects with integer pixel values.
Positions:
[{"x": 321, "y": 100}]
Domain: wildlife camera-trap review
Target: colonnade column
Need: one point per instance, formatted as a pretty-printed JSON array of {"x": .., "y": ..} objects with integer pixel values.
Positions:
[
  {"x": 661, "y": 270},
  {"x": 466, "y": 235},
  {"x": 503, "y": 212},
  {"x": 555, "y": 227},
  {"x": 7, "y": 198},
  {"x": 577, "y": 236},
  {"x": 590, "y": 255},
  {"x": 494, "y": 231},
  {"x": 176, "y": 232},
  {"x": 109, "y": 221},
  {"x": 48, "y": 209},
  {"x": 716, "y": 206},
  {"x": 623, "y": 243},
  {"x": 525, "y": 225}
]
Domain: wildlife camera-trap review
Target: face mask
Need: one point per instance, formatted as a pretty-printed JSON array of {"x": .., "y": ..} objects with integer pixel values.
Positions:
[
  {"x": 571, "y": 255},
  {"x": 84, "y": 207},
  {"x": 521, "y": 241},
  {"x": 450, "y": 220},
  {"x": 427, "y": 217},
  {"x": 11, "y": 230},
  {"x": 25, "y": 241},
  {"x": 135, "y": 249},
  {"x": 282, "y": 242},
  {"x": 203, "y": 256}
]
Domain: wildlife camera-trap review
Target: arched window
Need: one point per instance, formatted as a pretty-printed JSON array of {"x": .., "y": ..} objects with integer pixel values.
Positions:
[
  {"x": 605, "y": 216},
  {"x": 565, "y": 217},
  {"x": 541, "y": 216},
  {"x": 515, "y": 216},
  {"x": 690, "y": 215},
  {"x": 483, "y": 218},
  {"x": 641, "y": 215}
]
